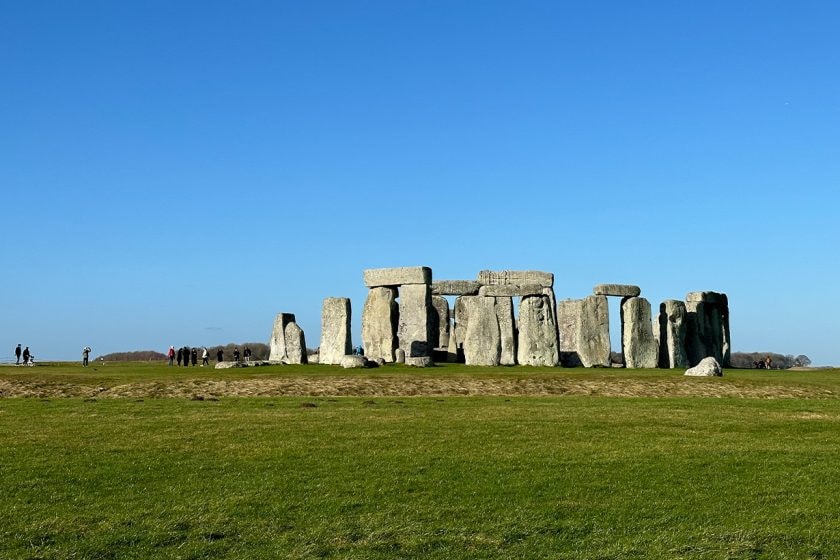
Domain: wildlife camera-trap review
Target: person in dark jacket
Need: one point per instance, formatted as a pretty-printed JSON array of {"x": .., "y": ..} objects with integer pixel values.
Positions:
[
  {"x": 17, "y": 355},
  {"x": 26, "y": 356},
  {"x": 180, "y": 356},
  {"x": 194, "y": 356},
  {"x": 236, "y": 354},
  {"x": 220, "y": 355}
]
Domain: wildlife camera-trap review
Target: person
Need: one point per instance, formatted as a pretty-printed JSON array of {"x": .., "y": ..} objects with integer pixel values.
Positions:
[
  {"x": 85, "y": 354},
  {"x": 768, "y": 362},
  {"x": 235, "y": 354},
  {"x": 194, "y": 356},
  {"x": 171, "y": 355},
  {"x": 220, "y": 355},
  {"x": 26, "y": 356},
  {"x": 247, "y": 354},
  {"x": 17, "y": 355},
  {"x": 180, "y": 356},
  {"x": 205, "y": 356}
]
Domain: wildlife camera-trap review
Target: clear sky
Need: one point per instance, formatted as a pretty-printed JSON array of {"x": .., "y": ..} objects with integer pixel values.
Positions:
[{"x": 179, "y": 172}]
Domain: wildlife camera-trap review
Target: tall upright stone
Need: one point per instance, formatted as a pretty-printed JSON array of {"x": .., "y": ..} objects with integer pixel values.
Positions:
[
  {"x": 295, "y": 345},
  {"x": 440, "y": 322},
  {"x": 594, "y": 332},
  {"x": 380, "y": 317},
  {"x": 637, "y": 341},
  {"x": 462, "y": 318},
  {"x": 507, "y": 330},
  {"x": 335, "y": 330},
  {"x": 708, "y": 327},
  {"x": 482, "y": 339},
  {"x": 414, "y": 329},
  {"x": 569, "y": 313},
  {"x": 537, "y": 343},
  {"x": 672, "y": 330},
  {"x": 277, "y": 347}
]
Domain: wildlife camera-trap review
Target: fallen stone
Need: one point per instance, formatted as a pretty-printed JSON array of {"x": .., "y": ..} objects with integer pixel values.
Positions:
[
  {"x": 516, "y": 277},
  {"x": 419, "y": 361},
  {"x": 593, "y": 345},
  {"x": 620, "y": 290},
  {"x": 637, "y": 341},
  {"x": 228, "y": 365},
  {"x": 380, "y": 317},
  {"x": 352, "y": 362},
  {"x": 510, "y": 290},
  {"x": 375, "y": 277},
  {"x": 708, "y": 367},
  {"x": 537, "y": 342},
  {"x": 482, "y": 340},
  {"x": 335, "y": 330},
  {"x": 455, "y": 287}
]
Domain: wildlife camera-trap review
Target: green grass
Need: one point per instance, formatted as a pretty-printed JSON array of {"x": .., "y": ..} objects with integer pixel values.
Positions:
[{"x": 455, "y": 477}]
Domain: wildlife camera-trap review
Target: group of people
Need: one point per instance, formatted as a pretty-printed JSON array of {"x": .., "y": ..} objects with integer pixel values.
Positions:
[
  {"x": 189, "y": 356},
  {"x": 25, "y": 355}
]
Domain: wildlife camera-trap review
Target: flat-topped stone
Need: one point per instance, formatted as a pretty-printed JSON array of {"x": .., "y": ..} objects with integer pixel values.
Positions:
[
  {"x": 511, "y": 290},
  {"x": 375, "y": 277},
  {"x": 619, "y": 290},
  {"x": 705, "y": 297},
  {"x": 516, "y": 277},
  {"x": 455, "y": 287}
]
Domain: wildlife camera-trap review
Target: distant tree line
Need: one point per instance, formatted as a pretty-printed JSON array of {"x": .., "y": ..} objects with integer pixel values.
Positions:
[
  {"x": 748, "y": 360},
  {"x": 259, "y": 351},
  {"x": 137, "y": 356}
]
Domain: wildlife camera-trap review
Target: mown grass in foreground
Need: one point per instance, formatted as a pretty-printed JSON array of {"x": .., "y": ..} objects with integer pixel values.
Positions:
[{"x": 488, "y": 477}]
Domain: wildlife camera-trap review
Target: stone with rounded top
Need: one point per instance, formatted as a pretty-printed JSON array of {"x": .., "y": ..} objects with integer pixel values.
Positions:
[
  {"x": 375, "y": 277},
  {"x": 353, "y": 362},
  {"x": 379, "y": 323},
  {"x": 618, "y": 290},
  {"x": 637, "y": 341},
  {"x": 708, "y": 367}
]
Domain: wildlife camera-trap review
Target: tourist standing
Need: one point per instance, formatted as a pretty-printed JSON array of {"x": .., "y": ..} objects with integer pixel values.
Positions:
[
  {"x": 171, "y": 355},
  {"x": 26, "y": 356},
  {"x": 17, "y": 355},
  {"x": 180, "y": 356},
  {"x": 85, "y": 355},
  {"x": 247, "y": 354},
  {"x": 194, "y": 356},
  {"x": 235, "y": 354},
  {"x": 220, "y": 355},
  {"x": 205, "y": 356}
]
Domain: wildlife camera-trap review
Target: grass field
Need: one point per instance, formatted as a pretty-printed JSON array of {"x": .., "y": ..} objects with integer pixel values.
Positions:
[{"x": 658, "y": 471}]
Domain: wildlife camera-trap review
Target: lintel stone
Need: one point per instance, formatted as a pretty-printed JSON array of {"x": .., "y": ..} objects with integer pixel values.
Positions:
[
  {"x": 516, "y": 277},
  {"x": 510, "y": 290},
  {"x": 618, "y": 290},
  {"x": 455, "y": 287},
  {"x": 376, "y": 277}
]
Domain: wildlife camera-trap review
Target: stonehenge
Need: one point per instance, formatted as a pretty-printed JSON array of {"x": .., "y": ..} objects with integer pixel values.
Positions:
[{"x": 507, "y": 318}]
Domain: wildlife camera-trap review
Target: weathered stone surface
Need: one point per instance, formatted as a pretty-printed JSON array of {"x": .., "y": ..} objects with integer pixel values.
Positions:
[
  {"x": 482, "y": 340},
  {"x": 568, "y": 324},
  {"x": 295, "y": 345},
  {"x": 228, "y": 365},
  {"x": 352, "y": 362},
  {"x": 707, "y": 332},
  {"x": 593, "y": 329},
  {"x": 537, "y": 342},
  {"x": 419, "y": 361},
  {"x": 335, "y": 330},
  {"x": 277, "y": 352},
  {"x": 375, "y": 277},
  {"x": 455, "y": 287},
  {"x": 671, "y": 334},
  {"x": 415, "y": 324},
  {"x": 510, "y": 290},
  {"x": 399, "y": 355},
  {"x": 621, "y": 290},
  {"x": 314, "y": 358},
  {"x": 507, "y": 330},
  {"x": 440, "y": 322},
  {"x": 637, "y": 341},
  {"x": 452, "y": 349},
  {"x": 462, "y": 318},
  {"x": 516, "y": 277},
  {"x": 379, "y": 323},
  {"x": 708, "y": 367}
]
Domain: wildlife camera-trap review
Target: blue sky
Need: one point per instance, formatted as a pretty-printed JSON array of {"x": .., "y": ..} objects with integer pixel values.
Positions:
[{"x": 179, "y": 172}]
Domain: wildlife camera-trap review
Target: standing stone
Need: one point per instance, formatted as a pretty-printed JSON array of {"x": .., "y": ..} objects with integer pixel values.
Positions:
[
  {"x": 672, "y": 331},
  {"x": 379, "y": 323},
  {"x": 707, "y": 332},
  {"x": 278, "y": 352},
  {"x": 462, "y": 318},
  {"x": 482, "y": 340},
  {"x": 568, "y": 325},
  {"x": 516, "y": 277},
  {"x": 593, "y": 339},
  {"x": 440, "y": 322},
  {"x": 452, "y": 350},
  {"x": 335, "y": 330},
  {"x": 507, "y": 330},
  {"x": 637, "y": 341},
  {"x": 414, "y": 330},
  {"x": 537, "y": 343},
  {"x": 399, "y": 353},
  {"x": 376, "y": 277},
  {"x": 295, "y": 345}
]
